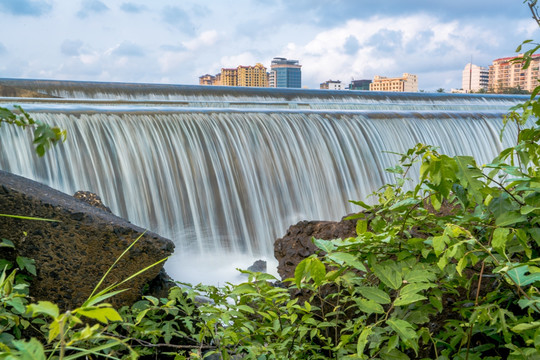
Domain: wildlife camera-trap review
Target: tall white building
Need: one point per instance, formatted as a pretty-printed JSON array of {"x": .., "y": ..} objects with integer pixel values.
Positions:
[{"x": 474, "y": 78}]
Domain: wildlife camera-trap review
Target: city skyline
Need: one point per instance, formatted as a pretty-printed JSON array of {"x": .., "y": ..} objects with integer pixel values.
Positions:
[{"x": 168, "y": 42}]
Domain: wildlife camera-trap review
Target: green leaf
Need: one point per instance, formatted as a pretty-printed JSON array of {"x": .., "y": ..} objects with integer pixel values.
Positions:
[
  {"x": 246, "y": 308},
  {"x": 462, "y": 263},
  {"x": 317, "y": 270},
  {"x": 406, "y": 332},
  {"x": 526, "y": 326},
  {"x": 31, "y": 350},
  {"x": 17, "y": 304},
  {"x": 369, "y": 306},
  {"x": 325, "y": 245},
  {"x": 359, "y": 203},
  {"x": 141, "y": 316},
  {"x": 393, "y": 354},
  {"x": 244, "y": 289},
  {"x": 510, "y": 218},
  {"x": 299, "y": 272},
  {"x": 414, "y": 276},
  {"x": 441, "y": 170},
  {"x": 439, "y": 243},
  {"x": 519, "y": 275},
  {"x": 44, "y": 307},
  {"x": 102, "y": 314},
  {"x": 310, "y": 268},
  {"x": 361, "y": 226},
  {"x": 506, "y": 211},
  {"x": 7, "y": 243},
  {"x": 407, "y": 299},
  {"x": 347, "y": 259},
  {"x": 468, "y": 173},
  {"x": 500, "y": 237},
  {"x": 404, "y": 329},
  {"x": 362, "y": 341},
  {"x": 388, "y": 276},
  {"x": 372, "y": 293},
  {"x": 26, "y": 264},
  {"x": 404, "y": 204},
  {"x": 415, "y": 288},
  {"x": 27, "y": 218}
]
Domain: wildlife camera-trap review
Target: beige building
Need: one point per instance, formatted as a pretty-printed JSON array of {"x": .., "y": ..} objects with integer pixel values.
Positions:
[
  {"x": 207, "y": 79},
  {"x": 229, "y": 77},
  {"x": 406, "y": 83},
  {"x": 254, "y": 76},
  {"x": 332, "y": 85},
  {"x": 505, "y": 74}
]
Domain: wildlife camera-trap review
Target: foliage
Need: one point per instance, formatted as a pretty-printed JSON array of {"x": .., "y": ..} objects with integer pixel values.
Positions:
[
  {"x": 44, "y": 134},
  {"x": 81, "y": 332}
]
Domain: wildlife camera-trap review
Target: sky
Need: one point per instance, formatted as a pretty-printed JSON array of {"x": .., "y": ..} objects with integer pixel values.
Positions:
[{"x": 176, "y": 41}]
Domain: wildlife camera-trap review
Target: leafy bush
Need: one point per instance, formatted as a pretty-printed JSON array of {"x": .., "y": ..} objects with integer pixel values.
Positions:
[{"x": 44, "y": 134}]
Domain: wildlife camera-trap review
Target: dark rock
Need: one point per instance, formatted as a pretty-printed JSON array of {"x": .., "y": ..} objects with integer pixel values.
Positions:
[
  {"x": 76, "y": 250},
  {"x": 258, "y": 266},
  {"x": 297, "y": 245}
]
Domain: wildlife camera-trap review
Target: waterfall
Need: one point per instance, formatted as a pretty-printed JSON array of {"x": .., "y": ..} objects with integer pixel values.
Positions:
[{"x": 227, "y": 171}]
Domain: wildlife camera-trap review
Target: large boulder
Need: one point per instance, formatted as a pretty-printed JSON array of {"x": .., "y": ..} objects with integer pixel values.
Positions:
[
  {"x": 297, "y": 243},
  {"x": 76, "y": 250}
]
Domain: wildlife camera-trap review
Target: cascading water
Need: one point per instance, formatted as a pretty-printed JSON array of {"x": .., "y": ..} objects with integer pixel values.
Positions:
[{"x": 226, "y": 170}]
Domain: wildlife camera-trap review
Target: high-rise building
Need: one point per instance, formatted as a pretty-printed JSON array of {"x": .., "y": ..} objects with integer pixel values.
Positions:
[
  {"x": 359, "y": 85},
  {"x": 252, "y": 76},
  {"x": 207, "y": 79},
  {"x": 406, "y": 83},
  {"x": 285, "y": 73},
  {"x": 332, "y": 85},
  {"x": 229, "y": 77},
  {"x": 474, "y": 78},
  {"x": 506, "y": 74}
]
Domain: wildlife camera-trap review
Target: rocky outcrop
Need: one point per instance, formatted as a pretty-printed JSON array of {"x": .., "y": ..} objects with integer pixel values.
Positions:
[
  {"x": 75, "y": 250},
  {"x": 297, "y": 245}
]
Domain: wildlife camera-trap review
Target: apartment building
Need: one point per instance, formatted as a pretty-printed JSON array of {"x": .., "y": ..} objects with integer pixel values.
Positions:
[
  {"x": 207, "y": 79},
  {"x": 255, "y": 76},
  {"x": 332, "y": 85},
  {"x": 406, "y": 83},
  {"x": 504, "y": 74},
  {"x": 229, "y": 77}
]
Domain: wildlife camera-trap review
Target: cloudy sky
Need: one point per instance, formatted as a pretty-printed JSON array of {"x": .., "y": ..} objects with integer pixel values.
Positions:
[{"x": 176, "y": 41}]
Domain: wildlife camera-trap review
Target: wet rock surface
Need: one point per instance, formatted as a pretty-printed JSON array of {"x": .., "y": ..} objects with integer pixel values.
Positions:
[
  {"x": 73, "y": 252},
  {"x": 297, "y": 245}
]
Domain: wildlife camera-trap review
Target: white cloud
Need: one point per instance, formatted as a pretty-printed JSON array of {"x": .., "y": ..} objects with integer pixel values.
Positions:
[
  {"x": 388, "y": 46},
  {"x": 245, "y": 58},
  {"x": 205, "y": 39}
]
